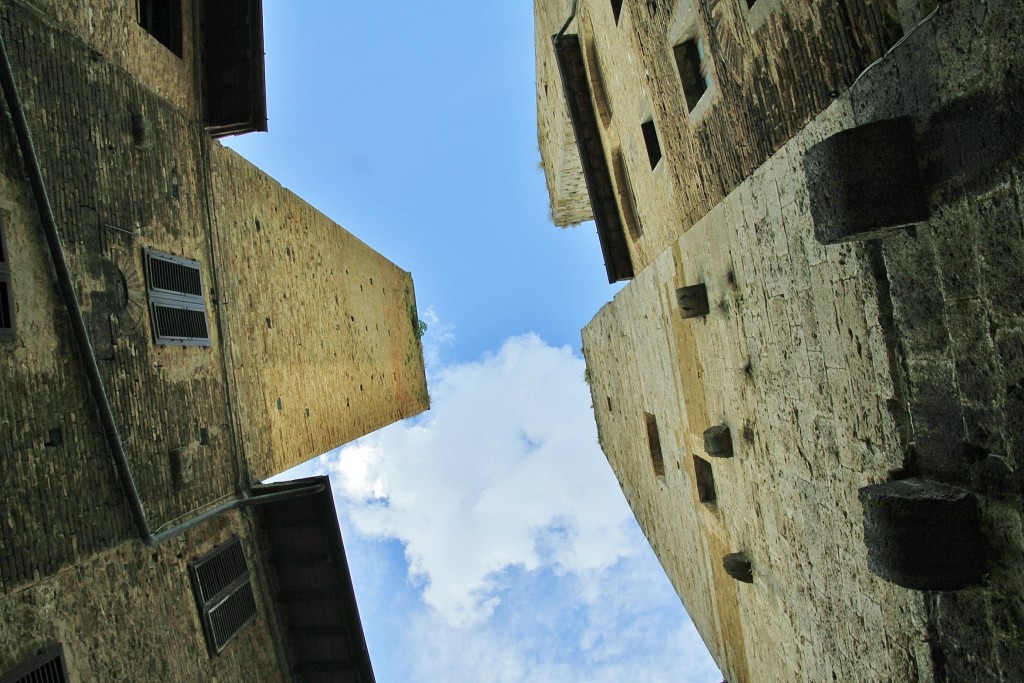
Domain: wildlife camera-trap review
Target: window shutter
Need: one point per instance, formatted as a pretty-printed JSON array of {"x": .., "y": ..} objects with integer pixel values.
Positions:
[
  {"x": 223, "y": 593},
  {"x": 177, "y": 308},
  {"x": 48, "y": 667}
]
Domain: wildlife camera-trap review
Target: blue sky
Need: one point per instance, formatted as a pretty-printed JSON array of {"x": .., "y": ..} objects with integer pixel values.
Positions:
[{"x": 488, "y": 538}]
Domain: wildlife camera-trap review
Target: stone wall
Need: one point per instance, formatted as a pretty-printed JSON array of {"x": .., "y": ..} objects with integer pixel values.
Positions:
[
  {"x": 836, "y": 367},
  {"x": 323, "y": 330},
  {"x": 772, "y": 69}
]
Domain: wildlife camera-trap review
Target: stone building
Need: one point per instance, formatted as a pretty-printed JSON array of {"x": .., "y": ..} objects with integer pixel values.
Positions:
[
  {"x": 811, "y": 387},
  {"x": 175, "y": 327}
]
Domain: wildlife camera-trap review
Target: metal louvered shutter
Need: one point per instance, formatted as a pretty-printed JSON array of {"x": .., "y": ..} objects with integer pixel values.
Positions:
[
  {"x": 223, "y": 593},
  {"x": 48, "y": 667},
  {"x": 176, "y": 305}
]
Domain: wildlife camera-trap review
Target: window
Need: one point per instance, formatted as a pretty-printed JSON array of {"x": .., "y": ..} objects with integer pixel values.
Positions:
[
  {"x": 177, "y": 308},
  {"x": 705, "y": 481},
  {"x": 693, "y": 70},
  {"x": 162, "y": 20},
  {"x": 220, "y": 581},
  {"x": 616, "y": 9},
  {"x": 6, "y": 299},
  {"x": 48, "y": 667},
  {"x": 624, "y": 190},
  {"x": 651, "y": 142},
  {"x": 690, "y": 53},
  {"x": 751, "y": 3},
  {"x": 654, "y": 442}
]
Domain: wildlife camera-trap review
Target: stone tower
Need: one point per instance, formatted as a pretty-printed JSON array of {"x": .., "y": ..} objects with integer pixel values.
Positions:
[{"x": 809, "y": 387}]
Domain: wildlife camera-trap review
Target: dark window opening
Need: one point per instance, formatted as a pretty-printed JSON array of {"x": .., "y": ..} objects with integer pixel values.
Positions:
[
  {"x": 651, "y": 142},
  {"x": 751, "y": 3},
  {"x": 6, "y": 300},
  {"x": 616, "y": 9},
  {"x": 177, "y": 308},
  {"x": 654, "y": 442},
  {"x": 162, "y": 20},
  {"x": 705, "y": 481},
  {"x": 48, "y": 667},
  {"x": 693, "y": 72},
  {"x": 224, "y": 596}
]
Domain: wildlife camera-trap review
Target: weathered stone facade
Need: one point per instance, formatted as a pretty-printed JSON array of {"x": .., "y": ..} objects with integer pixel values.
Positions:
[
  {"x": 313, "y": 342},
  {"x": 834, "y": 366}
]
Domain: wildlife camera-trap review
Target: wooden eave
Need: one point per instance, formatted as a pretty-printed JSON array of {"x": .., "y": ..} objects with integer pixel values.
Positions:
[
  {"x": 314, "y": 597},
  {"x": 610, "y": 232}
]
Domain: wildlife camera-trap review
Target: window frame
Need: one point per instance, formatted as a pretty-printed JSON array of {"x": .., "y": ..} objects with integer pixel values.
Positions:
[
  {"x": 23, "y": 673},
  {"x": 209, "y": 599},
  {"x": 174, "y": 300}
]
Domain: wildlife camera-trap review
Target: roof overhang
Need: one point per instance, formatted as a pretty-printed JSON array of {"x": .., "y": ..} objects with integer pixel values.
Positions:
[
  {"x": 610, "y": 232},
  {"x": 234, "y": 77},
  {"x": 314, "y": 597}
]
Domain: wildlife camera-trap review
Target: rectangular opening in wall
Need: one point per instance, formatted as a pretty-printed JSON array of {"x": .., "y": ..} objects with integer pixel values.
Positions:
[
  {"x": 624, "y": 190},
  {"x": 751, "y": 3},
  {"x": 616, "y": 9},
  {"x": 597, "y": 84},
  {"x": 47, "y": 667},
  {"x": 654, "y": 443},
  {"x": 162, "y": 20},
  {"x": 693, "y": 70},
  {"x": 705, "y": 481},
  {"x": 6, "y": 300},
  {"x": 224, "y": 596},
  {"x": 176, "y": 304},
  {"x": 651, "y": 142}
]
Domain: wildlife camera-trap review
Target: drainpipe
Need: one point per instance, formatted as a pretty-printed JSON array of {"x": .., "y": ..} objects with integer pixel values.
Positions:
[
  {"x": 561, "y": 31},
  {"x": 81, "y": 335}
]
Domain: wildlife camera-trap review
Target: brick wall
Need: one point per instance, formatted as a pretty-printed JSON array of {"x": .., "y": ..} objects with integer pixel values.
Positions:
[
  {"x": 322, "y": 328},
  {"x": 111, "y": 28},
  {"x": 145, "y": 629},
  {"x": 112, "y": 195}
]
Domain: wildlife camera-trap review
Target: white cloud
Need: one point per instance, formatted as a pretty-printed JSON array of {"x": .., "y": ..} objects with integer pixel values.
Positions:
[
  {"x": 526, "y": 559},
  {"x": 504, "y": 471}
]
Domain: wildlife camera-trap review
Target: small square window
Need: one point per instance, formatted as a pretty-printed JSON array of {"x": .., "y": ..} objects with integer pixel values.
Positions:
[
  {"x": 162, "y": 20},
  {"x": 47, "y": 667},
  {"x": 616, "y": 9},
  {"x": 706, "y": 492},
  {"x": 177, "y": 308},
  {"x": 223, "y": 592},
  {"x": 6, "y": 298},
  {"x": 654, "y": 443},
  {"x": 692, "y": 63},
  {"x": 651, "y": 142}
]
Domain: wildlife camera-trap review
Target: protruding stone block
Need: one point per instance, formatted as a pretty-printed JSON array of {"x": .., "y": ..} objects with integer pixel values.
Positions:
[
  {"x": 737, "y": 565},
  {"x": 718, "y": 441},
  {"x": 923, "y": 534},
  {"x": 865, "y": 182},
  {"x": 693, "y": 301}
]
